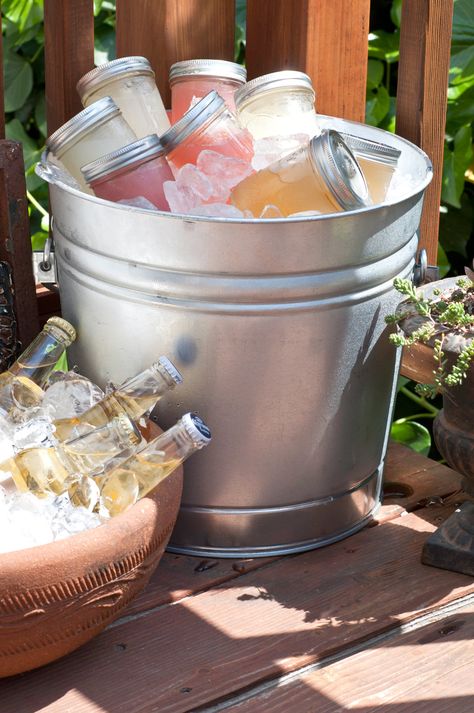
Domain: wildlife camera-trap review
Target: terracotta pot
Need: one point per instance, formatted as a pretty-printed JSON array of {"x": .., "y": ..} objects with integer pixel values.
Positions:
[
  {"x": 453, "y": 427},
  {"x": 55, "y": 597}
]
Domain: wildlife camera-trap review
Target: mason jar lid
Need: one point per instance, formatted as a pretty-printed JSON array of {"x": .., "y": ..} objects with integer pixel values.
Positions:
[
  {"x": 196, "y": 429},
  {"x": 215, "y": 68},
  {"x": 286, "y": 79},
  {"x": 205, "y": 109},
  {"x": 148, "y": 147},
  {"x": 117, "y": 68},
  {"x": 60, "y": 329},
  {"x": 372, "y": 150},
  {"x": 81, "y": 124},
  {"x": 335, "y": 163}
]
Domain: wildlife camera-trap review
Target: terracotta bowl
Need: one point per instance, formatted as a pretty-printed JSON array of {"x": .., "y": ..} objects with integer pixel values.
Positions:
[{"x": 55, "y": 597}]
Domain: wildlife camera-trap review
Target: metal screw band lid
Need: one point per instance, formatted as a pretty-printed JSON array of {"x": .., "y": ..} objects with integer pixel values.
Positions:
[
  {"x": 196, "y": 429},
  {"x": 336, "y": 164},
  {"x": 81, "y": 124},
  {"x": 206, "y": 108},
  {"x": 372, "y": 150},
  {"x": 138, "y": 151},
  {"x": 215, "y": 68},
  {"x": 168, "y": 369},
  {"x": 287, "y": 79},
  {"x": 117, "y": 68},
  {"x": 60, "y": 329}
]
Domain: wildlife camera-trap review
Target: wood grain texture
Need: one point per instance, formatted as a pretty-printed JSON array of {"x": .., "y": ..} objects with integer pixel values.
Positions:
[
  {"x": 327, "y": 39},
  {"x": 294, "y": 612},
  {"x": 2, "y": 106},
  {"x": 69, "y": 53},
  {"x": 425, "y": 41},
  {"x": 15, "y": 244},
  {"x": 428, "y": 671},
  {"x": 168, "y": 31}
]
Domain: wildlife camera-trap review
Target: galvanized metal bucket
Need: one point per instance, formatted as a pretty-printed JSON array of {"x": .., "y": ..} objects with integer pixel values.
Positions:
[{"x": 278, "y": 328}]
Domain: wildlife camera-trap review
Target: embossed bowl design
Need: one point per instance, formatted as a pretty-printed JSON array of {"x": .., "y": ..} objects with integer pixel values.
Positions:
[{"x": 56, "y": 597}]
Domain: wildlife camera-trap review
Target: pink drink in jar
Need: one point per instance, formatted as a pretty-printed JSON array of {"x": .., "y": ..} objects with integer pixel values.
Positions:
[
  {"x": 193, "y": 79},
  {"x": 134, "y": 171},
  {"x": 208, "y": 125}
]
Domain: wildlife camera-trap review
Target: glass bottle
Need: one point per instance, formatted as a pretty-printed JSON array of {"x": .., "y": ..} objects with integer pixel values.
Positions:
[
  {"x": 133, "y": 478},
  {"x": 191, "y": 80},
  {"x": 322, "y": 177},
  {"x": 21, "y": 385},
  {"x": 139, "y": 169},
  {"x": 278, "y": 104},
  {"x": 50, "y": 470},
  {"x": 130, "y": 81},
  {"x": 377, "y": 161},
  {"x": 93, "y": 132},
  {"x": 134, "y": 397},
  {"x": 208, "y": 125}
]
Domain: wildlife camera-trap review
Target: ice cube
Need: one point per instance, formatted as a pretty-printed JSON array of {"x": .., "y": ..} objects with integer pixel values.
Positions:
[
  {"x": 70, "y": 396},
  {"x": 190, "y": 177},
  {"x": 138, "y": 202},
  {"x": 6, "y": 436},
  {"x": 271, "y": 211},
  {"x": 180, "y": 200},
  {"x": 304, "y": 214},
  {"x": 35, "y": 433},
  {"x": 224, "y": 172},
  {"x": 401, "y": 186},
  {"x": 272, "y": 148},
  {"x": 218, "y": 210},
  {"x": 53, "y": 171}
]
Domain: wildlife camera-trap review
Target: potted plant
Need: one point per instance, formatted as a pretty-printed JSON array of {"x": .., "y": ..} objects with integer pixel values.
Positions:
[
  {"x": 436, "y": 327},
  {"x": 436, "y": 324}
]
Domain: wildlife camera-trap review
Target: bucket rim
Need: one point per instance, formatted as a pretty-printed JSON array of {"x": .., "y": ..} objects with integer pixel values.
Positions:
[{"x": 332, "y": 122}]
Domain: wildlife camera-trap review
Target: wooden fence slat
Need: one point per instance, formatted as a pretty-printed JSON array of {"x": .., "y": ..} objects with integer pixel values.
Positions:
[
  {"x": 425, "y": 41},
  {"x": 15, "y": 244},
  {"x": 69, "y": 53},
  {"x": 2, "y": 104},
  {"x": 327, "y": 39},
  {"x": 166, "y": 31}
]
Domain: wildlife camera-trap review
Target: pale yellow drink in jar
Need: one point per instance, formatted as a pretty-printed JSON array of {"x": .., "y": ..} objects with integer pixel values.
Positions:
[
  {"x": 378, "y": 176},
  {"x": 322, "y": 176},
  {"x": 291, "y": 184}
]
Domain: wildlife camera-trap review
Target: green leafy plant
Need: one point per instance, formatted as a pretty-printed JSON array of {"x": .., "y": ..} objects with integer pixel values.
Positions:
[{"x": 450, "y": 311}]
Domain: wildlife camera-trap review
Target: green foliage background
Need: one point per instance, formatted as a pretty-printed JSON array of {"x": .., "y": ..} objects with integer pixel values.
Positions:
[{"x": 23, "y": 44}]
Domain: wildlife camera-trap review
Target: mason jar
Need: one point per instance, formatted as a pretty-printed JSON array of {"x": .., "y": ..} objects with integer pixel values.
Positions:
[
  {"x": 130, "y": 81},
  {"x": 133, "y": 172},
  {"x": 378, "y": 163},
  {"x": 321, "y": 177},
  {"x": 208, "y": 125},
  {"x": 193, "y": 79},
  {"x": 98, "y": 129},
  {"x": 278, "y": 104}
]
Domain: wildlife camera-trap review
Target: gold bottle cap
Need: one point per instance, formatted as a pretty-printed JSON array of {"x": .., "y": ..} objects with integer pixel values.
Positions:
[{"x": 60, "y": 328}]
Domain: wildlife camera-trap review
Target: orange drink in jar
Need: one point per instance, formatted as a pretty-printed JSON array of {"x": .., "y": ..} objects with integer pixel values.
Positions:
[{"x": 322, "y": 177}]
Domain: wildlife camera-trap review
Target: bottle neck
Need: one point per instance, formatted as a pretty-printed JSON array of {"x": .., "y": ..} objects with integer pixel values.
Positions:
[
  {"x": 39, "y": 359},
  {"x": 153, "y": 380}
]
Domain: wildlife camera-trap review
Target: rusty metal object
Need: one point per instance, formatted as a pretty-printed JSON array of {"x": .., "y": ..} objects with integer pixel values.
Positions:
[{"x": 8, "y": 334}]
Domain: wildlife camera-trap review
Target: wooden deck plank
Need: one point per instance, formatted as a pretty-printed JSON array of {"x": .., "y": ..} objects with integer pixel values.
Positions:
[
  {"x": 428, "y": 671},
  {"x": 292, "y": 613},
  {"x": 180, "y": 576}
]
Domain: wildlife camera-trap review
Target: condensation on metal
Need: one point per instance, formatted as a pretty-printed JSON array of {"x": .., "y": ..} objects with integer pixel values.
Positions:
[{"x": 278, "y": 329}]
